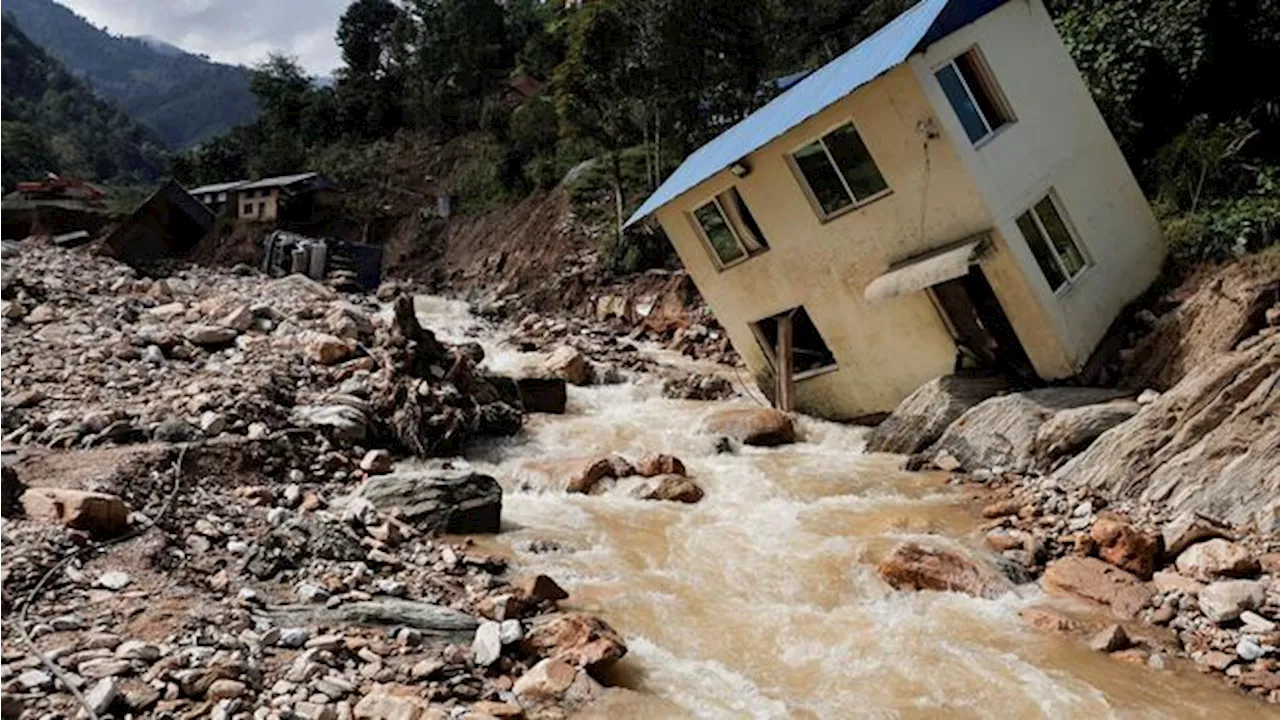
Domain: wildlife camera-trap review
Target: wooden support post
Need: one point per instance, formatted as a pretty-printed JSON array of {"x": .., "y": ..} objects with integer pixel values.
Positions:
[{"x": 786, "y": 394}]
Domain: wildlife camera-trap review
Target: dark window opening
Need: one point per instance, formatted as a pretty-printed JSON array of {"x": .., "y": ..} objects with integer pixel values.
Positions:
[
  {"x": 972, "y": 91},
  {"x": 809, "y": 352}
]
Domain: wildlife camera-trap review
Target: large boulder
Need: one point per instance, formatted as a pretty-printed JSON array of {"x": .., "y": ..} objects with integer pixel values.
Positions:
[
  {"x": 570, "y": 365},
  {"x": 97, "y": 513},
  {"x": 921, "y": 418},
  {"x": 1216, "y": 558},
  {"x": 1100, "y": 582},
  {"x": 1120, "y": 544},
  {"x": 341, "y": 422},
  {"x": 914, "y": 567},
  {"x": 1210, "y": 445},
  {"x": 438, "y": 501},
  {"x": 579, "y": 639},
  {"x": 1225, "y": 600},
  {"x": 1001, "y": 432},
  {"x": 751, "y": 426},
  {"x": 1071, "y": 431}
]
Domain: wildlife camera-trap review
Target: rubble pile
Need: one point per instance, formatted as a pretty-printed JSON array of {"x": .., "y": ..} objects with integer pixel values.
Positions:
[
  {"x": 206, "y": 460},
  {"x": 97, "y": 354}
]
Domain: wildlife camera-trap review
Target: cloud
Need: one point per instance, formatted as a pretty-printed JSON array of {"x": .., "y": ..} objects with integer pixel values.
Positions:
[{"x": 233, "y": 31}]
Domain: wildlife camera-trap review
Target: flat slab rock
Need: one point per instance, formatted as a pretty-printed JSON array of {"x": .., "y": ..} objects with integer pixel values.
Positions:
[
  {"x": 1001, "y": 431},
  {"x": 1100, "y": 582},
  {"x": 1210, "y": 445},
  {"x": 383, "y": 612},
  {"x": 438, "y": 501},
  {"x": 924, "y": 415}
]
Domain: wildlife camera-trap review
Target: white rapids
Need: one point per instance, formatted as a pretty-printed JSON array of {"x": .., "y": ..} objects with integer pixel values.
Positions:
[{"x": 761, "y": 601}]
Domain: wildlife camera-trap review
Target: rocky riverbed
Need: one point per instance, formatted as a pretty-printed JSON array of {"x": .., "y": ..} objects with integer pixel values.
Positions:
[{"x": 204, "y": 518}]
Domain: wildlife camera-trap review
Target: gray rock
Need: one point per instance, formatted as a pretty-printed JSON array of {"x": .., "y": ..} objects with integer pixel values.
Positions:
[
  {"x": 114, "y": 580},
  {"x": 1070, "y": 431},
  {"x": 1002, "y": 430},
  {"x": 436, "y": 620},
  {"x": 102, "y": 694},
  {"x": 342, "y": 422},
  {"x": 212, "y": 423},
  {"x": 277, "y": 516},
  {"x": 310, "y": 593},
  {"x": 1185, "y": 451},
  {"x": 1187, "y": 529},
  {"x": 103, "y": 667},
  {"x": 34, "y": 680},
  {"x": 153, "y": 355},
  {"x": 487, "y": 645},
  {"x": 436, "y": 501},
  {"x": 921, "y": 418},
  {"x": 512, "y": 632},
  {"x": 209, "y": 335},
  {"x": 1248, "y": 649},
  {"x": 1216, "y": 558},
  {"x": 1223, "y": 601},
  {"x": 294, "y": 637},
  {"x": 138, "y": 650},
  {"x": 1255, "y": 623}
]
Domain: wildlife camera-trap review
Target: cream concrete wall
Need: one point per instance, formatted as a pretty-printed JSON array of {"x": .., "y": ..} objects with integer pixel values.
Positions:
[
  {"x": 1059, "y": 141},
  {"x": 883, "y": 350},
  {"x": 261, "y": 208}
]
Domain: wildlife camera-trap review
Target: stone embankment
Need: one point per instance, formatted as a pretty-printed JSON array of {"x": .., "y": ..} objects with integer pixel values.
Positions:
[
  {"x": 204, "y": 514},
  {"x": 1155, "y": 514}
]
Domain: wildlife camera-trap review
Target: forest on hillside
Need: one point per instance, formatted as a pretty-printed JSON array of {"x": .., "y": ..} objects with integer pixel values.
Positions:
[
  {"x": 183, "y": 98},
  {"x": 53, "y": 122},
  {"x": 638, "y": 84}
]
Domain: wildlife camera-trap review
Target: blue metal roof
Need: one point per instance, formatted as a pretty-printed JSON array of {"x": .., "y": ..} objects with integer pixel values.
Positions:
[{"x": 888, "y": 47}]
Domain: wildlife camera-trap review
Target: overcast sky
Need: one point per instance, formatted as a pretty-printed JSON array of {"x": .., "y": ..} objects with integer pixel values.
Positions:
[{"x": 232, "y": 31}]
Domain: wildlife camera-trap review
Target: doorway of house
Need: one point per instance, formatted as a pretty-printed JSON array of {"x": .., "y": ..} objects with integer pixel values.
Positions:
[{"x": 983, "y": 334}]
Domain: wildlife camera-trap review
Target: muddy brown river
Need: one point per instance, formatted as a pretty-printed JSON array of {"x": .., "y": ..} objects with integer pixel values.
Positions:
[{"x": 761, "y": 601}]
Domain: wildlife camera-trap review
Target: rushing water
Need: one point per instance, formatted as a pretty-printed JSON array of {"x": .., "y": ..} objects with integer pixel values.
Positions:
[{"x": 761, "y": 601}]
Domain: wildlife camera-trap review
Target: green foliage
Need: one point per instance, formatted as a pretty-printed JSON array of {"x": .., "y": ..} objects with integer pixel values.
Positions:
[
  {"x": 53, "y": 123},
  {"x": 184, "y": 98},
  {"x": 26, "y": 151},
  {"x": 1184, "y": 87}
]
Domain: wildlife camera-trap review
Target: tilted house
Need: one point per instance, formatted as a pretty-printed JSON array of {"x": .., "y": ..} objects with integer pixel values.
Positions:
[{"x": 944, "y": 194}]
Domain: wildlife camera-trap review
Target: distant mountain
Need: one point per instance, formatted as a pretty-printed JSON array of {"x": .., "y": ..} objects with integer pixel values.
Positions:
[
  {"x": 51, "y": 122},
  {"x": 185, "y": 98}
]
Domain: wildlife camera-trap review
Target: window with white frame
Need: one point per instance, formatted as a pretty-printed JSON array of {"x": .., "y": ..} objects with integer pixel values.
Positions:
[
  {"x": 1054, "y": 245},
  {"x": 839, "y": 171},
  {"x": 729, "y": 228},
  {"x": 974, "y": 95}
]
